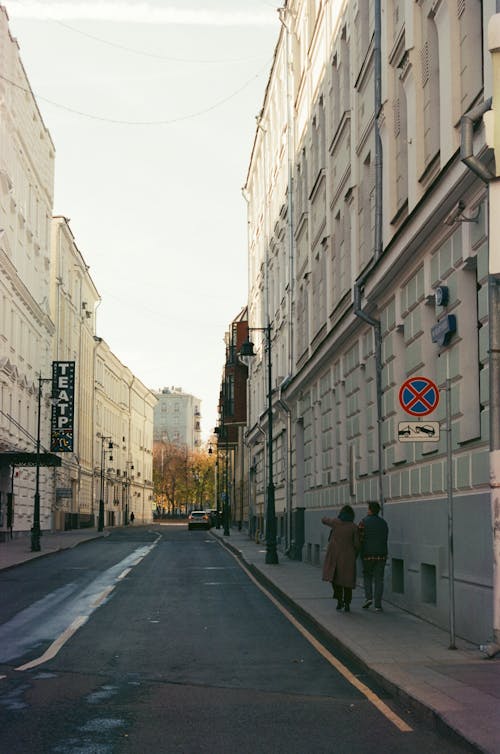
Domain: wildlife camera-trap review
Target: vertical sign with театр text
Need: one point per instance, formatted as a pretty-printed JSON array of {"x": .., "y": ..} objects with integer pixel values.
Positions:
[{"x": 63, "y": 410}]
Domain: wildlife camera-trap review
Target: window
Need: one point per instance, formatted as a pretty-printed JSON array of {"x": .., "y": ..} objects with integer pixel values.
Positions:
[
  {"x": 429, "y": 64},
  {"x": 400, "y": 144},
  {"x": 469, "y": 13}
]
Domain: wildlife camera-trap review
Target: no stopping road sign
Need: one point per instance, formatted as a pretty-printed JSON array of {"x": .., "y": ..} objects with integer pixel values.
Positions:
[{"x": 419, "y": 396}]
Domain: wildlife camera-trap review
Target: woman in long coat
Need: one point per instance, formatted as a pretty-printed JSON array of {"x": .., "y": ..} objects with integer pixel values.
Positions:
[{"x": 339, "y": 566}]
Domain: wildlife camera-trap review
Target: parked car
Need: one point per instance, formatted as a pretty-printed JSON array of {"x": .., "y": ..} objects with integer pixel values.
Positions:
[{"x": 198, "y": 520}]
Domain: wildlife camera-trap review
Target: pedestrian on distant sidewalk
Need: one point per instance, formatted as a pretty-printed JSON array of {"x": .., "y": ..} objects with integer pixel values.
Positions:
[
  {"x": 132, "y": 517},
  {"x": 373, "y": 533},
  {"x": 340, "y": 560}
]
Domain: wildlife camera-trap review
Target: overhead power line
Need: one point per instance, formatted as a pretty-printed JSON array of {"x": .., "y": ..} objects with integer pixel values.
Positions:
[
  {"x": 146, "y": 54},
  {"x": 118, "y": 121}
]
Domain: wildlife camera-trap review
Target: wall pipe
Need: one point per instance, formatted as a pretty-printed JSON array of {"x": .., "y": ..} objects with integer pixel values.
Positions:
[
  {"x": 377, "y": 331},
  {"x": 468, "y": 122},
  {"x": 467, "y": 140},
  {"x": 378, "y": 245},
  {"x": 290, "y": 130},
  {"x": 281, "y": 403}
]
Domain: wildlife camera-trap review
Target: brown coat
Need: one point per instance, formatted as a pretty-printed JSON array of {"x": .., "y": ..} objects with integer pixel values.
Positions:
[{"x": 340, "y": 559}]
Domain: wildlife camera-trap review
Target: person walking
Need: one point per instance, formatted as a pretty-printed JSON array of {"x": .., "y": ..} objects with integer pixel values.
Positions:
[
  {"x": 339, "y": 567},
  {"x": 373, "y": 533}
]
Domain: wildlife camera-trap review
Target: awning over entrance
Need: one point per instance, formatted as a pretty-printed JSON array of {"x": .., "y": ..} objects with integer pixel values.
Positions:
[{"x": 14, "y": 458}]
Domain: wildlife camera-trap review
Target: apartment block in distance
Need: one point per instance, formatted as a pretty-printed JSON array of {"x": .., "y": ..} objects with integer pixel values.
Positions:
[{"x": 177, "y": 418}]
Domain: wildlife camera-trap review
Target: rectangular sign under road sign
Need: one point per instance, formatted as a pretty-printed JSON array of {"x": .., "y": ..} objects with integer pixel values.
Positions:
[{"x": 418, "y": 431}]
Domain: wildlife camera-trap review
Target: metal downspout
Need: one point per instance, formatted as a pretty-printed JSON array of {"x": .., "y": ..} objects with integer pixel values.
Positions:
[
  {"x": 377, "y": 329},
  {"x": 467, "y": 135},
  {"x": 378, "y": 139},
  {"x": 378, "y": 245},
  {"x": 286, "y": 408},
  {"x": 473, "y": 163},
  {"x": 290, "y": 130},
  {"x": 260, "y": 531}
]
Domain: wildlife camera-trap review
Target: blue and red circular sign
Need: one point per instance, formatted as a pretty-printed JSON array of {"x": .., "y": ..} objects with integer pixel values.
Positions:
[{"x": 419, "y": 396}]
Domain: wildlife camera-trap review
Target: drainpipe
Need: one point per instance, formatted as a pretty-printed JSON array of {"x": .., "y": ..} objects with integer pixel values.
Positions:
[
  {"x": 377, "y": 331},
  {"x": 260, "y": 531},
  {"x": 286, "y": 408},
  {"x": 378, "y": 246},
  {"x": 284, "y": 13},
  {"x": 467, "y": 156},
  {"x": 493, "y": 184},
  {"x": 378, "y": 140},
  {"x": 249, "y": 491}
]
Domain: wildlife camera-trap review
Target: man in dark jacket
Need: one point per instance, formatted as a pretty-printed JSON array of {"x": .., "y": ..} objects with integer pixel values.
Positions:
[{"x": 373, "y": 532}]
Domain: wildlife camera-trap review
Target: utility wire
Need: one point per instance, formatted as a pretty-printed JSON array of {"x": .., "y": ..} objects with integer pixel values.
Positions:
[
  {"x": 145, "y": 53},
  {"x": 117, "y": 121}
]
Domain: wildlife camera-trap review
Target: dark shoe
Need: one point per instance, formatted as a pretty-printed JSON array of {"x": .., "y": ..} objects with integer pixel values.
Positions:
[
  {"x": 339, "y": 605},
  {"x": 367, "y": 604},
  {"x": 378, "y": 610},
  {"x": 347, "y": 607}
]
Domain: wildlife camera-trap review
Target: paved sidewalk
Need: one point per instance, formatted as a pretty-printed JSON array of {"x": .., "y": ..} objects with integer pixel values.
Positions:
[
  {"x": 410, "y": 657},
  {"x": 18, "y": 550}
]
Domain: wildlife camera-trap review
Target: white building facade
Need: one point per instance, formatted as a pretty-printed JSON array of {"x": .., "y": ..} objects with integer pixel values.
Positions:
[
  {"x": 47, "y": 313},
  {"x": 368, "y": 255},
  {"x": 177, "y": 418},
  {"x": 26, "y": 328}
]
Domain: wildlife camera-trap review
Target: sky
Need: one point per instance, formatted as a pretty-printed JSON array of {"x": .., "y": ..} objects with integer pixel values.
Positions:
[{"x": 151, "y": 107}]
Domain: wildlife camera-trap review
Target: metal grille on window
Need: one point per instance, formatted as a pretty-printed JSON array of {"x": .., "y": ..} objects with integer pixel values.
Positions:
[
  {"x": 396, "y": 106},
  {"x": 425, "y": 63}
]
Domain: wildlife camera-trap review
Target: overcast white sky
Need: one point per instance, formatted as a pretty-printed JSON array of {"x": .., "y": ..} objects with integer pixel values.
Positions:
[{"x": 156, "y": 209}]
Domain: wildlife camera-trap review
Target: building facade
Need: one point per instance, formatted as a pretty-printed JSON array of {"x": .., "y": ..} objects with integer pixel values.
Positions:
[
  {"x": 47, "y": 314},
  {"x": 26, "y": 327},
  {"x": 123, "y": 441},
  {"x": 233, "y": 497},
  {"x": 177, "y": 418},
  {"x": 73, "y": 302},
  {"x": 368, "y": 257}
]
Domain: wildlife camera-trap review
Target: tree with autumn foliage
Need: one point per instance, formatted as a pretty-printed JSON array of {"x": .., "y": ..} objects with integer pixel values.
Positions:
[{"x": 183, "y": 479}]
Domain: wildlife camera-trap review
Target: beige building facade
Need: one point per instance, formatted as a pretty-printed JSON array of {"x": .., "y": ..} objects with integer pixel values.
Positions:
[
  {"x": 368, "y": 254},
  {"x": 73, "y": 302},
  {"x": 123, "y": 444}
]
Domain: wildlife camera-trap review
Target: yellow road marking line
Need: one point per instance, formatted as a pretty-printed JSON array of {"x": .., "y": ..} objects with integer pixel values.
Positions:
[
  {"x": 339, "y": 666},
  {"x": 56, "y": 645}
]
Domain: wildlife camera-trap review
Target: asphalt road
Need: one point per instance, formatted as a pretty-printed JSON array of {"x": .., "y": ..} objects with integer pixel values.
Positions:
[{"x": 155, "y": 640}]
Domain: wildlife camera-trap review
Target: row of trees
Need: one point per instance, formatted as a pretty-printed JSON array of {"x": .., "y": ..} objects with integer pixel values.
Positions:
[{"x": 183, "y": 480}]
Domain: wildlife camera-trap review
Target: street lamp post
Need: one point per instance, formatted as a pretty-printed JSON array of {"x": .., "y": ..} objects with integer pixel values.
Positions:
[
  {"x": 100, "y": 523},
  {"x": 247, "y": 351},
  {"x": 35, "y": 531},
  {"x": 226, "y": 509},
  {"x": 128, "y": 481},
  {"x": 217, "y": 482}
]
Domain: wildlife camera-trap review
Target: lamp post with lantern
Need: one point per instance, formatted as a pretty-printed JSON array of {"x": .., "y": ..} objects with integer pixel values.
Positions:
[
  {"x": 104, "y": 451},
  {"x": 247, "y": 351},
  {"x": 35, "y": 531},
  {"x": 129, "y": 467}
]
